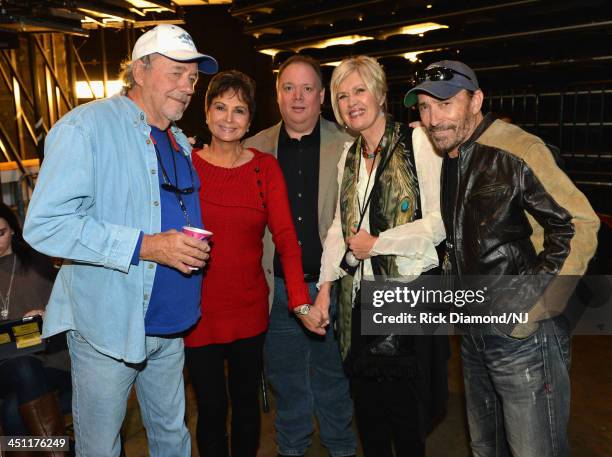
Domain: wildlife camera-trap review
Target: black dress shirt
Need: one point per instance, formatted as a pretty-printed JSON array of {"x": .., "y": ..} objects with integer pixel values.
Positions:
[{"x": 299, "y": 161}]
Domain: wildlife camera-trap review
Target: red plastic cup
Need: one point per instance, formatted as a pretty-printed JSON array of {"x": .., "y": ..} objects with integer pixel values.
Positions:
[{"x": 197, "y": 233}]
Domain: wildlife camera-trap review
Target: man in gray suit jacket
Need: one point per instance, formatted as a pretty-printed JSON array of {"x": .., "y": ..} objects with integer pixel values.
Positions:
[{"x": 303, "y": 363}]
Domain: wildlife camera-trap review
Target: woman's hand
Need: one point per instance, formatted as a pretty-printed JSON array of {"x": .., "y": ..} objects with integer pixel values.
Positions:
[
  {"x": 361, "y": 243},
  {"x": 35, "y": 312},
  {"x": 322, "y": 302}
]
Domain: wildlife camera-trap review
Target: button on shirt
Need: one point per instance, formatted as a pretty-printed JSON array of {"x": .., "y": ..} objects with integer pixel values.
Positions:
[
  {"x": 299, "y": 161},
  {"x": 171, "y": 308}
]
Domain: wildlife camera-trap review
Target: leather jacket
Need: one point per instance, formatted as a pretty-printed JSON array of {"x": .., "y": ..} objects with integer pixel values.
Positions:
[{"x": 516, "y": 213}]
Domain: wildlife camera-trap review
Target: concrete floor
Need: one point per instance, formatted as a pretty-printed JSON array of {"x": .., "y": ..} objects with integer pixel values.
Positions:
[{"x": 590, "y": 426}]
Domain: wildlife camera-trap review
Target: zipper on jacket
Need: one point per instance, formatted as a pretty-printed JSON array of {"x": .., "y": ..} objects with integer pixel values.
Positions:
[{"x": 453, "y": 245}]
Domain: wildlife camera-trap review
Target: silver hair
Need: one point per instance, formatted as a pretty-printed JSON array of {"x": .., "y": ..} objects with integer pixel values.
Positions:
[{"x": 126, "y": 73}]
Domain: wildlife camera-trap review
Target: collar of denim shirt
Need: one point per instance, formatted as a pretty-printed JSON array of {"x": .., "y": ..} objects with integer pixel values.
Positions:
[{"x": 140, "y": 121}]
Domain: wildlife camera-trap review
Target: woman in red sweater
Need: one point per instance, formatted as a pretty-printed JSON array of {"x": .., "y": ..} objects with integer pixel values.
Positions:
[{"x": 243, "y": 192}]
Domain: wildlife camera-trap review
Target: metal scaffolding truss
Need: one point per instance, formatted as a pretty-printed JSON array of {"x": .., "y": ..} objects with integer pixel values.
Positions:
[{"x": 39, "y": 66}]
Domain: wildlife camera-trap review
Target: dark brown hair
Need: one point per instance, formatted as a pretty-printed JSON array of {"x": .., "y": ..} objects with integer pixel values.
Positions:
[
  {"x": 234, "y": 81},
  {"x": 22, "y": 250}
]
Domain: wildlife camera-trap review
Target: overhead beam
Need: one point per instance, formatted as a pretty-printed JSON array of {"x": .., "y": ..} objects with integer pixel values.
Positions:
[
  {"x": 164, "y": 4},
  {"x": 311, "y": 15},
  {"x": 253, "y": 7},
  {"x": 387, "y": 52},
  {"x": 16, "y": 23},
  {"x": 395, "y": 79},
  {"x": 105, "y": 9},
  {"x": 365, "y": 28}
]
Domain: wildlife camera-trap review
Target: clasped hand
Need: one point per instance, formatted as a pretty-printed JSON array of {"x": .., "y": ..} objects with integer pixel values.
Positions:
[{"x": 361, "y": 243}]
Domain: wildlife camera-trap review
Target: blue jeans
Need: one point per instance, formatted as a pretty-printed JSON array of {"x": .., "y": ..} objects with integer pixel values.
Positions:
[
  {"x": 101, "y": 386},
  {"x": 305, "y": 371},
  {"x": 518, "y": 392}
]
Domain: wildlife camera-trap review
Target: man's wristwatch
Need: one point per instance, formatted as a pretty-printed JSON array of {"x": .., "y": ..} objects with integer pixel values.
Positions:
[{"x": 301, "y": 310}]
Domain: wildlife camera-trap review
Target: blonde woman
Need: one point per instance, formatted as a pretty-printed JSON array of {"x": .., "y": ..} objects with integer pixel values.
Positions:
[{"x": 387, "y": 223}]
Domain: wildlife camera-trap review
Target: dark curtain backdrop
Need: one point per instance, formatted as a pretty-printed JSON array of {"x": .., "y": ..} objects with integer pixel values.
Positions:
[{"x": 217, "y": 33}]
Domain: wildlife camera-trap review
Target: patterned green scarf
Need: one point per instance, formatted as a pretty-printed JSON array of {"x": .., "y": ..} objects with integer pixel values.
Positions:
[{"x": 395, "y": 201}]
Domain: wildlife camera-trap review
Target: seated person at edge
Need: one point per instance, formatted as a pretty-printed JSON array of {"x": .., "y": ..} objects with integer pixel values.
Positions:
[
  {"x": 397, "y": 385},
  {"x": 243, "y": 191},
  {"x": 28, "y": 383}
]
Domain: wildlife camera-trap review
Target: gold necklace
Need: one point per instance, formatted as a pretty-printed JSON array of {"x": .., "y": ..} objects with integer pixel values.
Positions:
[
  {"x": 6, "y": 299},
  {"x": 212, "y": 160},
  {"x": 236, "y": 159}
]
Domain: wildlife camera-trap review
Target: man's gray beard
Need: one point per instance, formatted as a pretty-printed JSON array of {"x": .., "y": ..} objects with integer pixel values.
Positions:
[
  {"x": 439, "y": 148},
  {"x": 177, "y": 117},
  {"x": 464, "y": 129},
  {"x": 447, "y": 149}
]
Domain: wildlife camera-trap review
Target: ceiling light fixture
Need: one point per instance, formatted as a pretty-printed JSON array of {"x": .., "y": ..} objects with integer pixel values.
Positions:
[
  {"x": 413, "y": 56},
  {"x": 336, "y": 41},
  {"x": 99, "y": 14},
  {"x": 154, "y": 10},
  {"x": 137, "y": 11},
  {"x": 270, "y": 51},
  {"x": 416, "y": 29}
]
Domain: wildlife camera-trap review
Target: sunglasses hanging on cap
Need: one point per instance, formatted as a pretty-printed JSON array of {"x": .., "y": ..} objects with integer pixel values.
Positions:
[{"x": 437, "y": 74}]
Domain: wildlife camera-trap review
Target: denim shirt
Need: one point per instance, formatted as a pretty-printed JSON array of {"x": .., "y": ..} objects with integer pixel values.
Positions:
[{"x": 97, "y": 189}]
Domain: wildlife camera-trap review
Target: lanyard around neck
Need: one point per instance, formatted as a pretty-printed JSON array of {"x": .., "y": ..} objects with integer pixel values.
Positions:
[
  {"x": 381, "y": 167},
  {"x": 166, "y": 178}
]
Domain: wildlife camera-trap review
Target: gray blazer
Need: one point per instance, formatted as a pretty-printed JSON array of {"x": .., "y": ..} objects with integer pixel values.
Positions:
[{"x": 333, "y": 138}]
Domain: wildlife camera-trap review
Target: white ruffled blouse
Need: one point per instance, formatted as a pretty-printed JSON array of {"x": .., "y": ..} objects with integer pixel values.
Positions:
[{"x": 413, "y": 243}]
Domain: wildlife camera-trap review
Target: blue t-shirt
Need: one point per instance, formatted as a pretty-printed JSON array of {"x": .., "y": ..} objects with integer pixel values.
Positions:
[{"x": 175, "y": 299}]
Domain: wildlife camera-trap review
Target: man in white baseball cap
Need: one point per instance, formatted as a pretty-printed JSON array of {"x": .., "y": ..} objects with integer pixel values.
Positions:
[
  {"x": 116, "y": 187},
  {"x": 173, "y": 42}
]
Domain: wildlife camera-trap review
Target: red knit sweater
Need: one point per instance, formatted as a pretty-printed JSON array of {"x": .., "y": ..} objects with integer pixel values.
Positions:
[{"x": 237, "y": 204}]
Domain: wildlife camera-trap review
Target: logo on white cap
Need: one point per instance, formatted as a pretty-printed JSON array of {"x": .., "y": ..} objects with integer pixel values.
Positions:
[{"x": 186, "y": 38}]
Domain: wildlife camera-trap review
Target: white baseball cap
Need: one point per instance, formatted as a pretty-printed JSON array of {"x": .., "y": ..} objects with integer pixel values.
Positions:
[{"x": 174, "y": 43}]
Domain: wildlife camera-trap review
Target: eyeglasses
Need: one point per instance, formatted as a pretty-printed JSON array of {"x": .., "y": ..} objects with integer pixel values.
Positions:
[
  {"x": 437, "y": 74},
  {"x": 167, "y": 185},
  {"x": 172, "y": 188}
]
